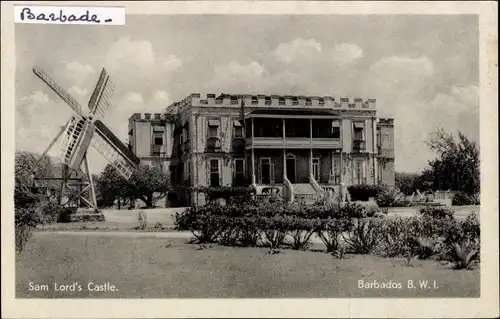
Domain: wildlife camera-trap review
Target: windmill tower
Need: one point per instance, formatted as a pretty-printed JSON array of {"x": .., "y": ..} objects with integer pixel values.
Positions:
[{"x": 85, "y": 129}]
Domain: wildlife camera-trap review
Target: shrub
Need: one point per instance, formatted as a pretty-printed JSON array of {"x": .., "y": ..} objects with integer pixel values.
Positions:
[
  {"x": 464, "y": 254},
  {"x": 50, "y": 211},
  {"x": 391, "y": 197},
  {"x": 462, "y": 199},
  {"x": 225, "y": 192},
  {"x": 394, "y": 237},
  {"x": 330, "y": 230},
  {"x": 436, "y": 212},
  {"x": 352, "y": 210},
  {"x": 364, "y": 192},
  {"x": 26, "y": 219},
  {"x": 301, "y": 230},
  {"x": 142, "y": 220},
  {"x": 364, "y": 236}
]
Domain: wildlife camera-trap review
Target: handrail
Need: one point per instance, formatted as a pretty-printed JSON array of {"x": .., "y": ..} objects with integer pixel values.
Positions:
[
  {"x": 288, "y": 189},
  {"x": 315, "y": 185}
]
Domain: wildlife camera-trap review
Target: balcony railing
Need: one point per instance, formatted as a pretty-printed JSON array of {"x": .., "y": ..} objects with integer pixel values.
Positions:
[
  {"x": 156, "y": 150},
  {"x": 358, "y": 145},
  {"x": 296, "y": 142}
]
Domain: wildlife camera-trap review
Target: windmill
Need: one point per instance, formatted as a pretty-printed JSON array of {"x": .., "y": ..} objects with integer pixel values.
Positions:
[{"x": 86, "y": 129}]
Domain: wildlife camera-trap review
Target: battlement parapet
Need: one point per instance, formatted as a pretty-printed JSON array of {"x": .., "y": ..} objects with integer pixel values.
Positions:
[
  {"x": 274, "y": 100},
  {"x": 149, "y": 116},
  {"x": 386, "y": 122}
]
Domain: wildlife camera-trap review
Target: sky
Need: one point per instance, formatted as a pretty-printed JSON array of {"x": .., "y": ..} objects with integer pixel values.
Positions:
[{"x": 422, "y": 69}]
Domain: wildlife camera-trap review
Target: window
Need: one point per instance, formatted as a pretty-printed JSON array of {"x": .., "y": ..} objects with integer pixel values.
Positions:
[
  {"x": 158, "y": 140},
  {"x": 234, "y": 100},
  {"x": 213, "y": 128},
  {"x": 336, "y": 129},
  {"x": 255, "y": 100},
  {"x": 213, "y": 132},
  {"x": 214, "y": 173},
  {"x": 359, "y": 130},
  {"x": 268, "y": 100},
  {"x": 335, "y": 176},
  {"x": 281, "y": 101},
  {"x": 239, "y": 171},
  {"x": 238, "y": 129}
]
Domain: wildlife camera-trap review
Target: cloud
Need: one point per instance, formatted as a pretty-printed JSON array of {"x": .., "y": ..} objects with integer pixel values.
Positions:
[
  {"x": 345, "y": 54},
  {"x": 160, "y": 97},
  {"x": 297, "y": 49},
  {"x": 172, "y": 62},
  {"x": 402, "y": 71},
  {"x": 127, "y": 53},
  {"x": 233, "y": 75},
  {"x": 38, "y": 120},
  {"x": 75, "y": 73},
  {"x": 78, "y": 92},
  {"x": 133, "y": 97}
]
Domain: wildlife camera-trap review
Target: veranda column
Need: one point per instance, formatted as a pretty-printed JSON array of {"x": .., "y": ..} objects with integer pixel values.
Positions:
[
  {"x": 375, "y": 151},
  {"x": 310, "y": 148},
  {"x": 253, "y": 155},
  {"x": 284, "y": 152},
  {"x": 342, "y": 193}
]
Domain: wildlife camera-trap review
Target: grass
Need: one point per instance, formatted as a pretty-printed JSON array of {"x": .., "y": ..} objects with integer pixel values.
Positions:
[{"x": 171, "y": 268}]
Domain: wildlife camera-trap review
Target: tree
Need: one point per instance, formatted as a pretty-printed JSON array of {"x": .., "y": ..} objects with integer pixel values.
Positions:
[
  {"x": 457, "y": 165},
  {"x": 146, "y": 183},
  {"x": 409, "y": 183},
  {"x": 110, "y": 186},
  {"x": 24, "y": 170}
]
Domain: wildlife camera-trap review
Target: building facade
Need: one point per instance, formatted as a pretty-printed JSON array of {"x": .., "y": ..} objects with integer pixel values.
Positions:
[{"x": 295, "y": 146}]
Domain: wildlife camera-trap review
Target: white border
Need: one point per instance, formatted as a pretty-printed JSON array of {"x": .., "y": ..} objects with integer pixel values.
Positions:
[{"x": 486, "y": 306}]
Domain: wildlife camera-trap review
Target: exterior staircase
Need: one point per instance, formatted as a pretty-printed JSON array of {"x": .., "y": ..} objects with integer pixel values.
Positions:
[{"x": 305, "y": 193}]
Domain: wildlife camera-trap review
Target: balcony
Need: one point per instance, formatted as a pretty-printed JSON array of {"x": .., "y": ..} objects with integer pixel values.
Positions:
[
  {"x": 358, "y": 146},
  {"x": 213, "y": 144}
]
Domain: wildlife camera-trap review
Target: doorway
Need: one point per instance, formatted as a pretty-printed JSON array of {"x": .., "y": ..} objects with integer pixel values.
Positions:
[{"x": 291, "y": 168}]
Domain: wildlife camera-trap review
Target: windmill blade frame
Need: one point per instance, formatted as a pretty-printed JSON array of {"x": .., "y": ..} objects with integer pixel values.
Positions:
[
  {"x": 115, "y": 152},
  {"x": 62, "y": 93},
  {"x": 100, "y": 99}
]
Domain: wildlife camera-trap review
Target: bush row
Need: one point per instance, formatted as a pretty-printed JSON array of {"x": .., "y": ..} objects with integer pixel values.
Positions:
[
  {"x": 461, "y": 199},
  {"x": 433, "y": 233},
  {"x": 265, "y": 209}
]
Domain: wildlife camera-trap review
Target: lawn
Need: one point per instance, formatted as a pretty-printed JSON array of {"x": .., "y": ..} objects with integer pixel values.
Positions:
[{"x": 170, "y": 268}]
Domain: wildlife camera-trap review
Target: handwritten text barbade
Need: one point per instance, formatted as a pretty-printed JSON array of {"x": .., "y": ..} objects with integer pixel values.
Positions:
[{"x": 27, "y": 14}]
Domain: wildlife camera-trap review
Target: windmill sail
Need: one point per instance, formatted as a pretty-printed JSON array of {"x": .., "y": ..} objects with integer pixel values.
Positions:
[
  {"x": 119, "y": 156},
  {"x": 100, "y": 100},
  {"x": 75, "y": 142},
  {"x": 69, "y": 140},
  {"x": 63, "y": 94}
]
